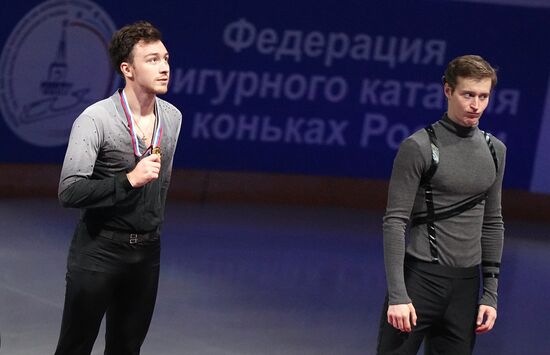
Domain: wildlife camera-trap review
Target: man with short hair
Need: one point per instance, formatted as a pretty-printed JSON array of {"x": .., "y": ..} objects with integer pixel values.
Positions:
[
  {"x": 117, "y": 171},
  {"x": 446, "y": 187}
]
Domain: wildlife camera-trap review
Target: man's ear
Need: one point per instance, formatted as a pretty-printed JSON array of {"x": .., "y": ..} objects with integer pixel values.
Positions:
[
  {"x": 448, "y": 90},
  {"x": 126, "y": 70}
]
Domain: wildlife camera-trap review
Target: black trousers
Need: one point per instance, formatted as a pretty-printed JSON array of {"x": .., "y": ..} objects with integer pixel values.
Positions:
[
  {"x": 122, "y": 284},
  {"x": 446, "y": 304}
]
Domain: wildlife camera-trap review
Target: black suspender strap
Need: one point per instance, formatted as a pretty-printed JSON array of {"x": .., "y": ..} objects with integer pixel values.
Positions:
[
  {"x": 428, "y": 194},
  {"x": 421, "y": 218},
  {"x": 427, "y": 176},
  {"x": 430, "y": 225},
  {"x": 431, "y": 216},
  {"x": 491, "y": 148}
]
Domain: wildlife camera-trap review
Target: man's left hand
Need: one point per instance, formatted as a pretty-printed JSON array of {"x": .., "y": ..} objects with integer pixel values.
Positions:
[{"x": 486, "y": 317}]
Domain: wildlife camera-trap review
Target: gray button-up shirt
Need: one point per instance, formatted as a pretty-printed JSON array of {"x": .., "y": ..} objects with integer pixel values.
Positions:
[{"x": 99, "y": 155}]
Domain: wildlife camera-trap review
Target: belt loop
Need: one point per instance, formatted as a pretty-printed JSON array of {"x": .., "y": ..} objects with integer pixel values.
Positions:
[{"x": 133, "y": 238}]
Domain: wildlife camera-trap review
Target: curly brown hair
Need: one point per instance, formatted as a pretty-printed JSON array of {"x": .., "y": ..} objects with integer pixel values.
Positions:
[{"x": 124, "y": 40}]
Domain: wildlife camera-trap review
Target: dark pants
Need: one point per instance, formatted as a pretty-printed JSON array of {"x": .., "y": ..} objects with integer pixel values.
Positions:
[
  {"x": 445, "y": 300},
  {"x": 124, "y": 288}
]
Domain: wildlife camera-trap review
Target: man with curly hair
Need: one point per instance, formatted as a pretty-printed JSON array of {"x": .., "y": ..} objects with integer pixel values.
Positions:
[{"x": 117, "y": 171}]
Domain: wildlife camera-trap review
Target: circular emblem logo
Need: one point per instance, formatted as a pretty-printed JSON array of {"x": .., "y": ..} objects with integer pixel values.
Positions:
[{"x": 54, "y": 64}]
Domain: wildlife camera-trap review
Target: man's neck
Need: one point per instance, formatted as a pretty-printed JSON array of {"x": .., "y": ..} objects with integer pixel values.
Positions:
[{"x": 141, "y": 103}]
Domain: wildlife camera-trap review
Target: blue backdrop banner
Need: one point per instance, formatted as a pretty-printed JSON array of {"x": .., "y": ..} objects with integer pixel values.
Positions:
[{"x": 324, "y": 88}]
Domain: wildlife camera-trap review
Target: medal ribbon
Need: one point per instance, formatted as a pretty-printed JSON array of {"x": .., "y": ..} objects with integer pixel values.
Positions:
[{"x": 157, "y": 137}]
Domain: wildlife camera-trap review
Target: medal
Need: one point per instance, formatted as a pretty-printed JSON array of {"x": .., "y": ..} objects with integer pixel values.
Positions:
[{"x": 156, "y": 150}]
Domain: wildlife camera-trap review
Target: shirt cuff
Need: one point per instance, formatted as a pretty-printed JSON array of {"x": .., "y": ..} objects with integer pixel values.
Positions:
[{"x": 122, "y": 183}]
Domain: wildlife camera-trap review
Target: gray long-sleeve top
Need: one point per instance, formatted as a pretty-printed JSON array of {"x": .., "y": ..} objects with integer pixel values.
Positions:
[
  {"x": 466, "y": 168},
  {"x": 100, "y": 153}
]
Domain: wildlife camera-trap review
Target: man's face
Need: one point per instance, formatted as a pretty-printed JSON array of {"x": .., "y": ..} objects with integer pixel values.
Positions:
[
  {"x": 468, "y": 100},
  {"x": 149, "y": 69}
]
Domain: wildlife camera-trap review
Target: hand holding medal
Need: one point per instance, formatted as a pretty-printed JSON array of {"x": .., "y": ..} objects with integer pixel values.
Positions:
[
  {"x": 156, "y": 150},
  {"x": 147, "y": 166}
]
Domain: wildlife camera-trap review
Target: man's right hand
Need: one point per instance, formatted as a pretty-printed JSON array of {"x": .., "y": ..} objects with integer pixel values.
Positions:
[
  {"x": 402, "y": 316},
  {"x": 146, "y": 170}
]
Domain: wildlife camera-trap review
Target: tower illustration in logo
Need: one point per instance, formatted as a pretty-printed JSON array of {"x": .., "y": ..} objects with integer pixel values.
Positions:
[
  {"x": 57, "y": 73},
  {"x": 55, "y": 90},
  {"x": 54, "y": 64}
]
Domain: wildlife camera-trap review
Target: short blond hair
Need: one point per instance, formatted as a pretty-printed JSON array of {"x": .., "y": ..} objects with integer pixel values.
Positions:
[{"x": 469, "y": 66}]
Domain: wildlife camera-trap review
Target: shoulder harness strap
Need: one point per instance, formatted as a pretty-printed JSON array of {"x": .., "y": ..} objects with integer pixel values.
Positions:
[
  {"x": 431, "y": 216},
  {"x": 487, "y": 137},
  {"x": 428, "y": 194}
]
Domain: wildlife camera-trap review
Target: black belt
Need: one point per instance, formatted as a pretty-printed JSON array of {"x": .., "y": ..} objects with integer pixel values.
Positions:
[
  {"x": 434, "y": 268},
  {"x": 127, "y": 237}
]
